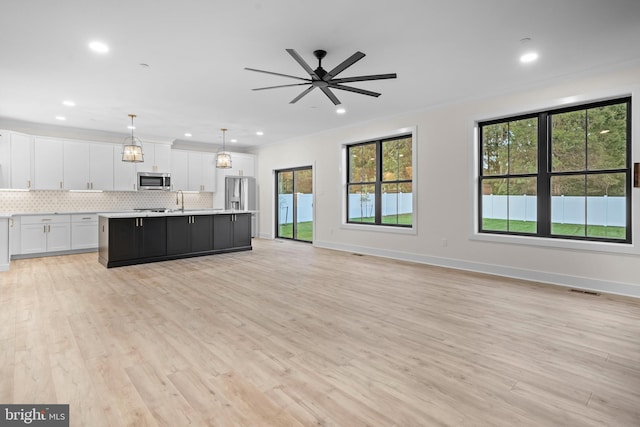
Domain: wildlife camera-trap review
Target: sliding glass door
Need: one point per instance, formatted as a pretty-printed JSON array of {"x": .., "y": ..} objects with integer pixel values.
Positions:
[{"x": 294, "y": 204}]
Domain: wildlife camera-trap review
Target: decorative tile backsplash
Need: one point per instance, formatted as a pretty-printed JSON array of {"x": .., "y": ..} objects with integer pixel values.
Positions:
[{"x": 64, "y": 201}]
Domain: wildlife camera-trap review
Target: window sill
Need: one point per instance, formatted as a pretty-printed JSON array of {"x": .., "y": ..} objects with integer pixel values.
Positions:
[
  {"x": 590, "y": 246},
  {"x": 380, "y": 228}
]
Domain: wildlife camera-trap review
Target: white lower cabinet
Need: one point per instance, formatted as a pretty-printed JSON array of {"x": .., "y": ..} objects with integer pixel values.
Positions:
[
  {"x": 4, "y": 243},
  {"x": 45, "y": 233},
  {"x": 84, "y": 231}
]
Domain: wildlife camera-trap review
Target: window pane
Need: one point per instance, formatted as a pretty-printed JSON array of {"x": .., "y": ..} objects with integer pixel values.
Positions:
[
  {"x": 361, "y": 203},
  {"x": 568, "y": 141},
  {"x": 397, "y": 204},
  {"x": 607, "y": 137},
  {"x": 396, "y": 160},
  {"x": 304, "y": 204},
  {"x": 523, "y": 146},
  {"x": 510, "y": 204},
  {"x": 606, "y": 206},
  {"x": 495, "y": 204},
  {"x": 523, "y": 205},
  {"x": 568, "y": 205},
  {"x": 495, "y": 149},
  {"x": 362, "y": 163}
]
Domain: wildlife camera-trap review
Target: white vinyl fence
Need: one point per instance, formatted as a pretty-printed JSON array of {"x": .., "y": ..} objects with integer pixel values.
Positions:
[
  {"x": 607, "y": 211},
  {"x": 602, "y": 210},
  {"x": 359, "y": 206}
]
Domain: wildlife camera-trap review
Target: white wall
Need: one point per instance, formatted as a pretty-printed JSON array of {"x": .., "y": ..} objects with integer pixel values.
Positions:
[{"x": 446, "y": 172}]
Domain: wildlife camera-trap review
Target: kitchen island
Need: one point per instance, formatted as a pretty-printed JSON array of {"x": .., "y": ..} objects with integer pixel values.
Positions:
[{"x": 142, "y": 237}]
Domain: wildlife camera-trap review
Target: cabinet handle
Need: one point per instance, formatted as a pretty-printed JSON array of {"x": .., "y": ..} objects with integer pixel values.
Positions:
[
  {"x": 44, "y": 228},
  {"x": 48, "y": 229},
  {"x": 136, "y": 222},
  {"x": 88, "y": 186},
  {"x": 92, "y": 185},
  {"x": 86, "y": 217},
  {"x": 141, "y": 223},
  {"x": 45, "y": 219},
  {"x": 29, "y": 183},
  {"x": 61, "y": 185},
  {"x": 11, "y": 222}
]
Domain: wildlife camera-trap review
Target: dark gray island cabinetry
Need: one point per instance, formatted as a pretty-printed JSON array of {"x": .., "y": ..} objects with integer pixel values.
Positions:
[{"x": 127, "y": 239}]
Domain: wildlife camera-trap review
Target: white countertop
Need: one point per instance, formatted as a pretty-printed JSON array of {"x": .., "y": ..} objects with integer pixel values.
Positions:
[{"x": 132, "y": 213}]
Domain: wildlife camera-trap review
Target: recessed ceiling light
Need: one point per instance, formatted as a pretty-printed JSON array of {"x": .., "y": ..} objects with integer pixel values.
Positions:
[
  {"x": 99, "y": 47},
  {"x": 188, "y": 135},
  {"x": 341, "y": 110},
  {"x": 259, "y": 133},
  {"x": 69, "y": 103},
  {"x": 234, "y": 140},
  {"x": 131, "y": 127},
  {"x": 61, "y": 118},
  {"x": 528, "y": 57}
]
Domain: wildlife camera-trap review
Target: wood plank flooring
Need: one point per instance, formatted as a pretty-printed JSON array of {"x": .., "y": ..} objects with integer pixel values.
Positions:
[{"x": 292, "y": 335}]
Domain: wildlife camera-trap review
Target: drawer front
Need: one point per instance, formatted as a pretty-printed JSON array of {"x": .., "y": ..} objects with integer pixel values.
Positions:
[
  {"x": 44, "y": 219},
  {"x": 90, "y": 217}
]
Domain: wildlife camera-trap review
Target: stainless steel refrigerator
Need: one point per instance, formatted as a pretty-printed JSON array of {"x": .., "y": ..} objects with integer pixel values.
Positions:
[{"x": 241, "y": 195}]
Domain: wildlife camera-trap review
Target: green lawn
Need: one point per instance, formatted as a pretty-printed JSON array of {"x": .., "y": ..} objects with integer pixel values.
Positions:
[
  {"x": 490, "y": 224},
  {"x": 402, "y": 219},
  {"x": 305, "y": 229}
]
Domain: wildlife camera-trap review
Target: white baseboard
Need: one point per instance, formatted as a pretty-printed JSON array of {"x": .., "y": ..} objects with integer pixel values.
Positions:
[{"x": 584, "y": 283}]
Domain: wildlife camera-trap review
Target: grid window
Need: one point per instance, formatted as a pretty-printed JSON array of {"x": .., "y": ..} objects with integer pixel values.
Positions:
[
  {"x": 380, "y": 182},
  {"x": 561, "y": 173}
]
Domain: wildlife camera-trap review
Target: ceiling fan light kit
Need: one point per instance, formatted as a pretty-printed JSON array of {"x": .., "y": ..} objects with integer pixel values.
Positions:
[{"x": 326, "y": 80}]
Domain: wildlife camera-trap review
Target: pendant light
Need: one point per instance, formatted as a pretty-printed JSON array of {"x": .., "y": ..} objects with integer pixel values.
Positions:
[
  {"x": 132, "y": 147},
  {"x": 223, "y": 159}
]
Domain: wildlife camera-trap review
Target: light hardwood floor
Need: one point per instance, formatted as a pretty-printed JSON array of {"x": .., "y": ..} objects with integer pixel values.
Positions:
[{"x": 292, "y": 335}]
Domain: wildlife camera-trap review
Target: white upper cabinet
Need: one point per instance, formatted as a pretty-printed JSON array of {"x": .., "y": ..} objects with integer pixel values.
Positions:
[
  {"x": 193, "y": 171},
  {"x": 48, "y": 163},
  {"x": 101, "y": 166},
  {"x": 88, "y": 166},
  {"x": 5, "y": 160},
  {"x": 15, "y": 160},
  {"x": 124, "y": 173},
  {"x": 179, "y": 170},
  {"x": 209, "y": 172},
  {"x": 77, "y": 171},
  {"x": 157, "y": 158}
]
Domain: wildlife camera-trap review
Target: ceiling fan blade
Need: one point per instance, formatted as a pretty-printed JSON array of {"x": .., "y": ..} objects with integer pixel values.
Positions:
[
  {"x": 303, "y": 63},
  {"x": 331, "y": 96},
  {"x": 306, "y": 91},
  {"x": 365, "y": 78},
  {"x": 275, "y": 87},
  {"x": 278, "y": 74},
  {"x": 355, "y": 89},
  {"x": 344, "y": 65}
]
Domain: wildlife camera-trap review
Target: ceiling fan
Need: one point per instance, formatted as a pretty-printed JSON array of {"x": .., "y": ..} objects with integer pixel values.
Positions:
[{"x": 326, "y": 80}]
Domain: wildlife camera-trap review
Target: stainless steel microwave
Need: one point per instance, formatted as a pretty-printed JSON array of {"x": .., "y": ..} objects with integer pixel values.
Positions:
[{"x": 154, "y": 181}]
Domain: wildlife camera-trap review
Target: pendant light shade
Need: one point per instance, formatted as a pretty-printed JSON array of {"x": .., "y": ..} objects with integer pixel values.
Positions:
[
  {"x": 132, "y": 147},
  {"x": 223, "y": 159}
]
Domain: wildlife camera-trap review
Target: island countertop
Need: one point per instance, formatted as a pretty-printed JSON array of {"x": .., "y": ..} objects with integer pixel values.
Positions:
[{"x": 173, "y": 212}]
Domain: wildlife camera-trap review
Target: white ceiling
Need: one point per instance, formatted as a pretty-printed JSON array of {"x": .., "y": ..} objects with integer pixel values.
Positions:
[{"x": 442, "y": 51}]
